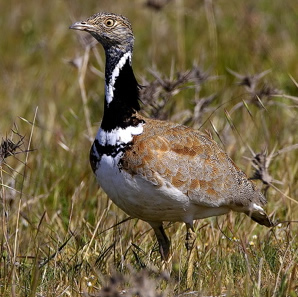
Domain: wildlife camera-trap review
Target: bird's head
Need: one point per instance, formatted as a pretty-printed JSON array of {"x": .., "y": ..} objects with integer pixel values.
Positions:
[{"x": 110, "y": 29}]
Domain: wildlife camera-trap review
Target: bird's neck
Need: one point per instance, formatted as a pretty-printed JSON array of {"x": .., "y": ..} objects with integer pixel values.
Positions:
[{"x": 121, "y": 90}]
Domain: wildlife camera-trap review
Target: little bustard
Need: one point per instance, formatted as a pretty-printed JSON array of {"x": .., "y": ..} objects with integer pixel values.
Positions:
[{"x": 157, "y": 170}]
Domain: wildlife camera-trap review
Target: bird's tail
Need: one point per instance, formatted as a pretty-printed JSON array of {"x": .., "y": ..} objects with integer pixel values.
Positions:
[{"x": 258, "y": 214}]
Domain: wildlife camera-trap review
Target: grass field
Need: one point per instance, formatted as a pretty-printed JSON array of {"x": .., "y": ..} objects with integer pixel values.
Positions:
[{"x": 206, "y": 62}]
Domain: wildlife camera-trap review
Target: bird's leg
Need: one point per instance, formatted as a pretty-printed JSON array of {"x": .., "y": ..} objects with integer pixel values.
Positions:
[
  {"x": 163, "y": 241},
  {"x": 190, "y": 236},
  {"x": 189, "y": 244}
]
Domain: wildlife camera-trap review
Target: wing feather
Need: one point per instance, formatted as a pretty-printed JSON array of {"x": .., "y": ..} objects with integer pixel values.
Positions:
[{"x": 191, "y": 161}]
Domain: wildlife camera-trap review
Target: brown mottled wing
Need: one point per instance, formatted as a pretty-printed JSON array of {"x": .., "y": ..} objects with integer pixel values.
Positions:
[{"x": 190, "y": 161}]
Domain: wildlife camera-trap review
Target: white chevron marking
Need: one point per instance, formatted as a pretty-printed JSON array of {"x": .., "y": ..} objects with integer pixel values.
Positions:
[{"x": 118, "y": 136}]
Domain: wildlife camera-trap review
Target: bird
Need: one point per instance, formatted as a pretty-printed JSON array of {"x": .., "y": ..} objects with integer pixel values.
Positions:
[{"x": 158, "y": 171}]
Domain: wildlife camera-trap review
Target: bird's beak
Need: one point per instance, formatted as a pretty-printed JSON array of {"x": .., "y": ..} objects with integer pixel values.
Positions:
[{"x": 82, "y": 26}]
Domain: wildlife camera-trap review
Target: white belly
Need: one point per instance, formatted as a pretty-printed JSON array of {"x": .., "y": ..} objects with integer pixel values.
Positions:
[{"x": 142, "y": 199}]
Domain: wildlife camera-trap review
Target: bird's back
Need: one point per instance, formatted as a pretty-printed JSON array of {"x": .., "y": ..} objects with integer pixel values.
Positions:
[{"x": 170, "y": 154}]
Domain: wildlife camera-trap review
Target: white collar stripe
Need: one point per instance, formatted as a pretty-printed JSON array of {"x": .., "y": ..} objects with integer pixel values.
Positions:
[{"x": 110, "y": 87}]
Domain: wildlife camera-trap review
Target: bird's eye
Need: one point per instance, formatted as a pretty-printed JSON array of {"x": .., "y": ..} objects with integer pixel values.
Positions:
[{"x": 109, "y": 23}]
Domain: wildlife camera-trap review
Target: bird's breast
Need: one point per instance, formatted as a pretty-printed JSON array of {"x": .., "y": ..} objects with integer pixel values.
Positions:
[
  {"x": 137, "y": 196},
  {"x": 112, "y": 143}
]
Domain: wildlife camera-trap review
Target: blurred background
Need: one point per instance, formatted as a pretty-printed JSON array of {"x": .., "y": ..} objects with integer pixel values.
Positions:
[{"x": 228, "y": 67}]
